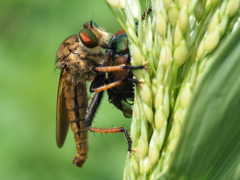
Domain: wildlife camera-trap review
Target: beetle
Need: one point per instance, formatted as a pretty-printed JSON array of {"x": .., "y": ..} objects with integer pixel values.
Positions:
[
  {"x": 119, "y": 84},
  {"x": 120, "y": 81}
]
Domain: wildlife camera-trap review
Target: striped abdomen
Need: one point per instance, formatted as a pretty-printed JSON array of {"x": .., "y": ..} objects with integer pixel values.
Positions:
[{"x": 76, "y": 104}]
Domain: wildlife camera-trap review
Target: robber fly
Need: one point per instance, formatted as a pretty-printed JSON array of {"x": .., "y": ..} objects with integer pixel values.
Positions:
[
  {"x": 76, "y": 58},
  {"x": 80, "y": 59}
]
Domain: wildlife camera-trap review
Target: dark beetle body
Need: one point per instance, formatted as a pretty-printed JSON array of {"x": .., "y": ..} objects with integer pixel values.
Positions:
[{"x": 118, "y": 54}]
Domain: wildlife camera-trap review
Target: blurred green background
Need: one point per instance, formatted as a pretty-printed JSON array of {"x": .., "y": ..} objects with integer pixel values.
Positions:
[{"x": 30, "y": 34}]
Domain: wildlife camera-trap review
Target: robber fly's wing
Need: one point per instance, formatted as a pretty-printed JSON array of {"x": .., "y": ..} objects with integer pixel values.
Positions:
[{"x": 62, "y": 119}]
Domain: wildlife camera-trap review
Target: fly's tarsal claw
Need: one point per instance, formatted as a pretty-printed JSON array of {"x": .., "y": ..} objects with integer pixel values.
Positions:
[
  {"x": 141, "y": 81},
  {"x": 133, "y": 150},
  {"x": 144, "y": 64}
]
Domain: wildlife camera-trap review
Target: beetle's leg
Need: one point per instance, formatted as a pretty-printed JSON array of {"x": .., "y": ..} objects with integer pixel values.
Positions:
[
  {"x": 115, "y": 130},
  {"x": 120, "y": 67}
]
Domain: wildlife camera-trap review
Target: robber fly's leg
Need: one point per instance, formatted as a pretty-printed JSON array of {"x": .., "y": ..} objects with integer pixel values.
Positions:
[
  {"x": 116, "y": 83},
  {"x": 91, "y": 111},
  {"x": 93, "y": 107},
  {"x": 120, "y": 67},
  {"x": 134, "y": 81},
  {"x": 96, "y": 100},
  {"x": 115, "y": 130},
  {"x": 107, "y": 86}
]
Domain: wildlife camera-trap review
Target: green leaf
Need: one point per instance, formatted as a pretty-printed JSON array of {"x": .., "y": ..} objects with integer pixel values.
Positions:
[{"x": 209, "y": 146}]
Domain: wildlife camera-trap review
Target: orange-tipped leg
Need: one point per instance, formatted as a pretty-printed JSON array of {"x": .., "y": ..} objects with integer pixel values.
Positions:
[
  {"x": 116, "y": 83},
  {"x": 115, "y": 130},
  {"x": 121, "y": 67},
  {"x": 107, "y": 86}
]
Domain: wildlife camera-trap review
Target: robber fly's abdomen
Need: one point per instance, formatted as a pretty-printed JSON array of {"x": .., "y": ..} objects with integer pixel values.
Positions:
[{"x": 76, "y": 103}]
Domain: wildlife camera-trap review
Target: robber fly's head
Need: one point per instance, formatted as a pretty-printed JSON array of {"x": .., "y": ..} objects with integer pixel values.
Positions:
[{"x": 93, "y": 36}]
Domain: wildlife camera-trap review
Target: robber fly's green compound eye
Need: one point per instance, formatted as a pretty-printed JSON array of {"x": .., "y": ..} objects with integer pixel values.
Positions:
[{"x": 88, "y": 38}]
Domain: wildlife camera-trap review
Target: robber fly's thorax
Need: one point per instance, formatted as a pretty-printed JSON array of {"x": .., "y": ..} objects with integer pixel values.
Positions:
[{"x": 78, "y": 61}]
